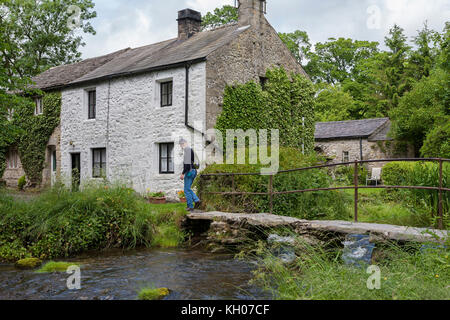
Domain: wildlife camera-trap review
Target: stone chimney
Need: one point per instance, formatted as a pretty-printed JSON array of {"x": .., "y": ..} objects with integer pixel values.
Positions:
[
  {"x": 189, "y": 23},
  {"x": 251, "y": 12}
]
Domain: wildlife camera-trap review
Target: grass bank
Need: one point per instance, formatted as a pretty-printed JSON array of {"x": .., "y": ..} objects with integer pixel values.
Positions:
[
  {"x": 59, "y": 223},
  {"x": 406, "y": 273}
]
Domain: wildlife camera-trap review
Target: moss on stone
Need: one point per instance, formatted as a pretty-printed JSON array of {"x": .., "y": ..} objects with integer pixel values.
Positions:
[
  {"x": 53, "y": 266},
  {"x": 153, "y": 294},
  {"x": 28, "y": 263}
]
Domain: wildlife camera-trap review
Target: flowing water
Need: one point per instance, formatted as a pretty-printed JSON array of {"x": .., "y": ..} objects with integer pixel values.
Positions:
[{"x": 120, "y": 275}]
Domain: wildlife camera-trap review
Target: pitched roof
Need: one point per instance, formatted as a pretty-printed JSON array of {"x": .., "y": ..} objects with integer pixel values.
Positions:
[
  {"x": 131, "y": 61},
  {"x": 374, "y": 129}
]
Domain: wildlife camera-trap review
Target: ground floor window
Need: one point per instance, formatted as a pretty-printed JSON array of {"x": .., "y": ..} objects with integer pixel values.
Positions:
[
  {"x": 166, "y": 164},
  {"x": 345, "y": 156},
  {"x": 99, "y": 163},
  {"x": 12, "y": 159}
]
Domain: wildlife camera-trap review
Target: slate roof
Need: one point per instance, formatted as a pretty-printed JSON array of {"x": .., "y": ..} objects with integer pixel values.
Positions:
[
  {"x": 372, "y": 129},
  {"x": 131, "y": 61}
]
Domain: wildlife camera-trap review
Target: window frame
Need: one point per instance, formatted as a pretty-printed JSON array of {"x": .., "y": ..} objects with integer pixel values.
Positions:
[
  {"x": 169, "y": 93},
  {"x": 38, "y": 106},
  {"x": 54, "y": 164},
  {"x": 102, "y": 162},
  {"x": 13, "y": 162},
  {"x": 170, "y": 155},
  {"x": 92, "y": 105},
  {"x": 344, "y": 155}
]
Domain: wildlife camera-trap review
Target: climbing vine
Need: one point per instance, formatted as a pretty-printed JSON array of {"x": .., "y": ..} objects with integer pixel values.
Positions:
[
  {"x": 35, "y": 133},
  {"x": 286, "y": 102}
]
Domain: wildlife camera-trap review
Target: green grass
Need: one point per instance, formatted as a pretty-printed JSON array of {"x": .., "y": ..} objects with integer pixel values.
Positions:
[
  {"x": 153, "y": 293},
  {"x": 59, "y": 223},
  {"x": 319, "y": 274},
  {"x": 58, "y": 266}
]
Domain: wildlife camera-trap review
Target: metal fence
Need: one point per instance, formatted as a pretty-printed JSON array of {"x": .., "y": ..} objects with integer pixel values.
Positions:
[{"x": 271, "y": 193}]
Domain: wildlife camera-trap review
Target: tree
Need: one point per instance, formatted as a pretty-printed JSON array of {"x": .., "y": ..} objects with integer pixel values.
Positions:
[
  {"x": 220, "y": 16},
  {"x": 335, "y": 60},
  {"x": 333, "y": 104},
  {"x": 298, "y": 43},
  {"x": 423, "y": 59},
  {"x": 437, "y": 142},
  {"x": 39, "y": 35},
  {"x": 421, "y": 109}
]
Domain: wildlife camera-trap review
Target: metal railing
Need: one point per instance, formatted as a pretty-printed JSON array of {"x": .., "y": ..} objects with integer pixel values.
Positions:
[{"x": 271, "y": 193}]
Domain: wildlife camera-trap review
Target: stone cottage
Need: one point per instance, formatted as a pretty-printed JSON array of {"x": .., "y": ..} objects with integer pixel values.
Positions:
[
  {"x": 122, "y": 114},
  {"x": 345, "y": 141}
]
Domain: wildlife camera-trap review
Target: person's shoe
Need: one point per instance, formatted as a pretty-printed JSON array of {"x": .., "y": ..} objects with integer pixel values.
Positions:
[
  {"x": 197, "y": 205},
  {"x": 190, "y": 209}
]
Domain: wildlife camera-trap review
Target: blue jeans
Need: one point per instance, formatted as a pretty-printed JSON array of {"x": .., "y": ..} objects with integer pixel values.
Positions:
[{"x": 191, "y": 197}]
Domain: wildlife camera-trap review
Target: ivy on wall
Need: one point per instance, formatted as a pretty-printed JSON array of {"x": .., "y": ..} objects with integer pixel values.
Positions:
[
  {"x": 35, "y": 133},
  {"x": 285, "y": 102}
]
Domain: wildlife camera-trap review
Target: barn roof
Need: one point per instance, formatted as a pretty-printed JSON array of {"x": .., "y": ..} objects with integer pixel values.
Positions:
[
  {"x": 131, "y": 61},
  {"x": 372, "y": 129}
]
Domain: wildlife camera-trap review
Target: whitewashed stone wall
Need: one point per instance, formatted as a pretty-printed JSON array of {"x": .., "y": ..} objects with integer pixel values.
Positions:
[{"x": 133, "y": 127}]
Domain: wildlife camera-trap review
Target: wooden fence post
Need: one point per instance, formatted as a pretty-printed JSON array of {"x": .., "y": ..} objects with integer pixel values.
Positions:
[
  {"x": 355, "y": 181},
  {"x": 233, "y": 187},
  {"x": 441, "y": 213},
  {"x": 271, "y": 193}
]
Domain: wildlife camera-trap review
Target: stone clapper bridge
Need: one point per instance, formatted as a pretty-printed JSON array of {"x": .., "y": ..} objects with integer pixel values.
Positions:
[{"x": 235, "y": 224}]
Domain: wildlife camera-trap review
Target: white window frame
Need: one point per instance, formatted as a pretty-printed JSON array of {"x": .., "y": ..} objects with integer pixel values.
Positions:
[
  {"x": 345, "y": 154},
  {"x": 38, "y": 106}
]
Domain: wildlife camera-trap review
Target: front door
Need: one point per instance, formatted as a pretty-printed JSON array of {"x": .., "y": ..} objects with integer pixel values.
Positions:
[
  {"x": 53, "y": 167},
  {"x": 76, "y": 169}
]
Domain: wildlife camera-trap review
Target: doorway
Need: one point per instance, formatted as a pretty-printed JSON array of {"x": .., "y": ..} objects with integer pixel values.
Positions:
[{"x": 76, "y": 169}]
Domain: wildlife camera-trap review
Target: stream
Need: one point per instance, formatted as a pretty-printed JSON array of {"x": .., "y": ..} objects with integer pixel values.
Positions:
[{"x": 119, "y": 275}]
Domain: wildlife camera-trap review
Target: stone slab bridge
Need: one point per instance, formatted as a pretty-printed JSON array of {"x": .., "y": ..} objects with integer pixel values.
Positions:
[{"x": 235, "y": 225}]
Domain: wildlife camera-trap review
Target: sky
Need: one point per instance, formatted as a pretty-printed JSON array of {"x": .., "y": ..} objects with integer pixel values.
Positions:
[{"x": 133, "y": 23}]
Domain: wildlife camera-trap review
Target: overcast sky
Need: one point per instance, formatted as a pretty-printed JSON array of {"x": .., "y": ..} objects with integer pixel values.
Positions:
[{"x": 133, "y": 23}]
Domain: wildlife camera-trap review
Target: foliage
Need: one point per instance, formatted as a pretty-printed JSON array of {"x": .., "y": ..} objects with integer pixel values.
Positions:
[
  {"x": 421, "y": 109},
  {"x": 221, "y": 16},
  {"x": 249, "y": 106},
  {"x": 39, "y": 36},
  {"x": 319, "y": 205},
  {"x": 345, "y": 174},
  {"x": 153, "y": 294},
  {"x": 298, "y": 43},
  {"x": 318, "y": 273},
  {"x": 21, "y": 183},
  {"x": 59, "y": 266},
  {"x": 28, "y": 263},
  {"x": 158, "y": 194},
  {"x": 60, "y": 223},
  {"x": 419, "y": 174},
  {"x": 334, "y": 104},
  {"x": 437, "y": 142}
]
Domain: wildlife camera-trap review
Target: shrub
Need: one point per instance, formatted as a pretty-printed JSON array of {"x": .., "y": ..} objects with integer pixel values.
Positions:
[
  {"x": 60, "y": 223},
  {"x": 345, "y": 174},
  {"x": 437, "y": 142},
  {"x": 419, "y": 174},
  {"x": 21, "y": 183},
  {"x": 327, "y": 204}
]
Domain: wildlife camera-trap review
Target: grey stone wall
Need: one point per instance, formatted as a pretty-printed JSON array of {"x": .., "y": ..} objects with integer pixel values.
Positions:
[{"x": 246, "y": 58}]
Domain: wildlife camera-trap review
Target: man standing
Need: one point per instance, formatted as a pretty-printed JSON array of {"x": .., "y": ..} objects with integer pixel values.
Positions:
[{"x": 188, "y": 175}]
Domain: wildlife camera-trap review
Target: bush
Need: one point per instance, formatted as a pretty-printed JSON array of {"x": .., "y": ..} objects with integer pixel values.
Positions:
[
  {"x": 437, "y": 142},
  {"x": 21, "y": 183},
  {"x": 345, "y": 174},
  {"x": 60, "y": 223},
  {"x": 318, "y": 205},
  {"x": 419, "y": 174}
]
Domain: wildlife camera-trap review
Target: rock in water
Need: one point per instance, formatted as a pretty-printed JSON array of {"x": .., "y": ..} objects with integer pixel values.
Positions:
[
  {"x": 357, "y": 250},
  {"x": 28, "y": 263}
]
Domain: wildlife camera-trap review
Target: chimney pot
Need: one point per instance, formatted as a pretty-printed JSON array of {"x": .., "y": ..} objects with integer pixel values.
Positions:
[{"x": 189, "y": 23}]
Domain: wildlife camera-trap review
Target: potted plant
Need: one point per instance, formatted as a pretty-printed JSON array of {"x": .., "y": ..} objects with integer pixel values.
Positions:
[
  {"x": 156, "y": 197},
  {"x": 182, "y": 196}
]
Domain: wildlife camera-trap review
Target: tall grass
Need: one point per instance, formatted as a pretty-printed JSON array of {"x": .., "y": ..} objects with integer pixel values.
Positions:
[
  {"x": 60, "y": 223},
  {"x": 318, "y": 273}
]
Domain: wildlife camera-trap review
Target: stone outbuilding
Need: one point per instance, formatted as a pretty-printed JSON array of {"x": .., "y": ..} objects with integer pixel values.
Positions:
[{"x": 368, "y": 139}]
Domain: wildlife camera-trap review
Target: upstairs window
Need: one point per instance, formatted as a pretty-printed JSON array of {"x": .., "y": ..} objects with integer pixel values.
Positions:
[
  {"x": 166, "y": 93},
  {"x": 13, "y": 159},
  {"x": 92, "y": 103},
  {"x": 166, "y": 164},
  {"x": 99, "y": 163},
  {"x": 38, "y": 108}
]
